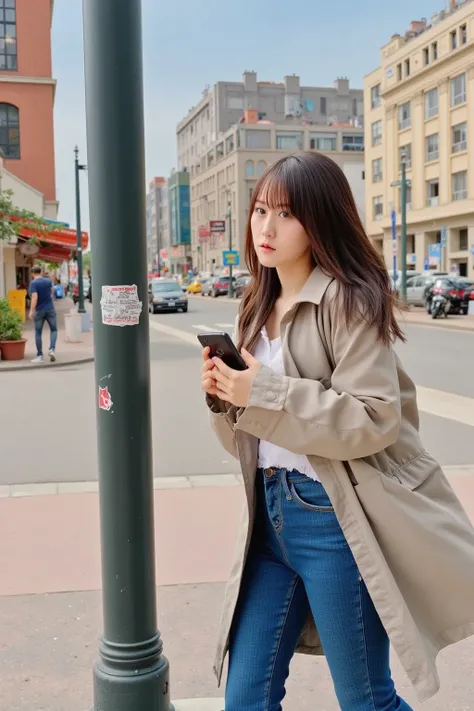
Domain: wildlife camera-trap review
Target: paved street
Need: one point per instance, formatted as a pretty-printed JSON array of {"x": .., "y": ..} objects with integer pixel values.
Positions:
[{"x": 50, "y": 417}]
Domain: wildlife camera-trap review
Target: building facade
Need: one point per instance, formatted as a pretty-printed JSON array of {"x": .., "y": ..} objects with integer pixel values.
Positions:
[
  {"x": 224, "y": 104},
  {"x": 420, "y": 104},
  {"x": 180, "y": 256},
  {"x": 157, "y": 224},
  {"x": 222, "y": 186}
]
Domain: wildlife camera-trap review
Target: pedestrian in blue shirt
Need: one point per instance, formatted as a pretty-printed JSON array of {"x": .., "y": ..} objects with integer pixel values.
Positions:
[{"x": 41, "y": 310}]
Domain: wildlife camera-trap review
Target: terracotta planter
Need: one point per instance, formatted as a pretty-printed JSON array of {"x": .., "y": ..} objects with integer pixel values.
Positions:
[{"x": 13, "y": 350}]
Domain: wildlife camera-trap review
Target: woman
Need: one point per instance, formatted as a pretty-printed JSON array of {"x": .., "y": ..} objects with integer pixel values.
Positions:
[{"x": 354, "y": 536}]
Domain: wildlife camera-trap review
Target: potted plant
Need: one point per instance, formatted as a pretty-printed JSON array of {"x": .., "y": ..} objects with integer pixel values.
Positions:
[{"x": 12, "y": 343}]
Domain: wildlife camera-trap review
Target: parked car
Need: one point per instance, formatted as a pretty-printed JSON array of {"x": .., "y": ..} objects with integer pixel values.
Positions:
[
  {"x": 207, "y": 286},
  {"x": 75, "y": 290},
  {"x": 240, "y": 285},
  {"x": 448, "y": 286},
  {"x": 417, "y": 288},
  {"x": 220, "y": 286},
  {"x": 194, "y": 287},
  {"x": 466, "y": 293},
  {"x": 166, "y": 295}
]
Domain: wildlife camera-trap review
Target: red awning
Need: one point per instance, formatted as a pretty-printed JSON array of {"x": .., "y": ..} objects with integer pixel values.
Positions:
[
  {"x": 62, "y": 237},
  {"x": 58, "y": 254}
]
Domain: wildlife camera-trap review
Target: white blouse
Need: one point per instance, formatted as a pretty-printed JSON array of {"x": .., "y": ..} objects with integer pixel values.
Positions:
[{"x": 269, "y": 353}]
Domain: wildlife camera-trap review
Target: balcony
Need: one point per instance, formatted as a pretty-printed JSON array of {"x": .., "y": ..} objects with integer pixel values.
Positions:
[
  {"x": 433, "y": 201},
  {"x": 460, "y": 146},
  {"x": 460, "y": 194}
]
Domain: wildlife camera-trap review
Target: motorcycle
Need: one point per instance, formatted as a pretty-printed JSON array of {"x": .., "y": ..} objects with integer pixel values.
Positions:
[{"x": 440, "y": 305}]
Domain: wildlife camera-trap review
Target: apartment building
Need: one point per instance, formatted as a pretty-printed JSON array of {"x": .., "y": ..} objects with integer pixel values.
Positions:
[
  {"x": 420, "y": 104},
  {"x": 223, "y": 105},
  {"x": 227, "y": 174},
  {"x": 158, "y": 238}
]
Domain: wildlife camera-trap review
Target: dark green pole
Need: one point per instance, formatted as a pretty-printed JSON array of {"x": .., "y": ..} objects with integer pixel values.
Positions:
[
  {"x": 231, "y": 268},
  {"x": 131, "y": 673},
  {"x": 403, "y": 256},
  {"x": 80, "y": 277}
]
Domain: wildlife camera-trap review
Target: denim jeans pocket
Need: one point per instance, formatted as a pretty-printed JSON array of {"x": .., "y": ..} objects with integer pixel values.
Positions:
[{"x": 310, "y": 495}]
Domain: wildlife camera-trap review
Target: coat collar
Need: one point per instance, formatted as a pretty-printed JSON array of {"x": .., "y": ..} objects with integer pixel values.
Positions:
[{"x": 315, "y": 288}]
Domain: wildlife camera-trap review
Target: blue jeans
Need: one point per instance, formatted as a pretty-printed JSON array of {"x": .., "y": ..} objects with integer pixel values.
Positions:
[
  {"x": 40, "y": 318},
  {"x": 299, "y": 559}
]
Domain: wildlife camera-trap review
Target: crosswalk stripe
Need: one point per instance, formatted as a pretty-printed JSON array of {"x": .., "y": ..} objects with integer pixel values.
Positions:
[
  {"x": 207, "y": 329},
  {"x": 225, "y": 325}
]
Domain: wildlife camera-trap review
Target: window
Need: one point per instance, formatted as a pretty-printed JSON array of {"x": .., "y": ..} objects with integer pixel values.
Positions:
[
  {"x": 288, "y": 141},
  {"x": 261, "y": 167},
  {"x": 377, "y": 133},
  {"x": 458, "y": 90},
  {"x": 432, "y": 147},
  {"x": 432, "y": 192},
  {"x": 377, "y": 207},
  {"x": 431, "y": 103},
  {"x": 463, "y": 243},
  {"x": 404, "y": 116},
  {"x": 399, "y": 72},
  {"x": 377, "y": 174},
  {"x": 434, "y": 51},
  {"x": 323, "y": 105},
  {"x": 235, "y": 102},
  {"x": 454, "y": 39},
  {"x": 258, "y": 139},
  {"x": 250, "y": 169},
  {"x": 353, "y": 143},
  {"x": 459, "y": 138},
  {"x": 460, "y": 185},
  {"x": 426, "y": 56},
  {"x": 8, "y": 46},
  {"x": 407, "y": 67},
  {"x": 323, "y": 141},
  {"x": 229, "y": 144},
  {"x": 463, "y": 34},
  {"x": 9, "y": 131},
  {"x": 375, "y": 98},
  {"x": 405, "y": 151}
]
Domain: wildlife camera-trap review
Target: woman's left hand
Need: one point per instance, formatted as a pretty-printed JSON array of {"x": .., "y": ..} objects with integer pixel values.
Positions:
[{"x": 234, "y": 386}]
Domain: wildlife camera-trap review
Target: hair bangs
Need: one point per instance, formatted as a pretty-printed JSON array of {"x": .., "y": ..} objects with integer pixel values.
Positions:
[{"x": 272, "y": 190}]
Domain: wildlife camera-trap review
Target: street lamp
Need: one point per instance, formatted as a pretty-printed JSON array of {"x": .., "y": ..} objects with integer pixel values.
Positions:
[
  {"x": 403, "y": 183},
  {"x": 231, "y": 268},
  {"x": 80, "y": 277},
  {"x": 131, "y": 673}
]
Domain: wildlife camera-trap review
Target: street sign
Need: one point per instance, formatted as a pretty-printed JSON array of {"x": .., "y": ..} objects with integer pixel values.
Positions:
[
  {"x": 426, "y": 264},
  {"x": 217, "y": 226},
  {"x": 204, "y": 233},
  {"x": 472, "y": 249},
  {"x": 434, "y": 252},
  {"x": 231, "y": 258},
  {"x": 444, "y": 236}
]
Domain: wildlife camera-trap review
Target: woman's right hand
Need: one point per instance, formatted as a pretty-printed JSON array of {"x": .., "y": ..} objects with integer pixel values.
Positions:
[{"x": 208, "y": 383}]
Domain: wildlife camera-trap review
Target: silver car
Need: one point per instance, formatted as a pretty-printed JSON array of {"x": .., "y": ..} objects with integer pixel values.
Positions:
[{"x": 166, "y": 295}]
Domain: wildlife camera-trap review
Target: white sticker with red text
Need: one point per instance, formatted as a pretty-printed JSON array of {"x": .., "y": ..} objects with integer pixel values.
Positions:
[{"x": 120, "y": 305}]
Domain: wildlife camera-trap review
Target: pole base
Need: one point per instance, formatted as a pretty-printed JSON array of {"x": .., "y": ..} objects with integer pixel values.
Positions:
[{"x": 132, "y": 691}]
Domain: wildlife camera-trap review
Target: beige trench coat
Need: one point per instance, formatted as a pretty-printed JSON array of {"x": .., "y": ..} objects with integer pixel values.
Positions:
[{"x": 347, "y": 404}]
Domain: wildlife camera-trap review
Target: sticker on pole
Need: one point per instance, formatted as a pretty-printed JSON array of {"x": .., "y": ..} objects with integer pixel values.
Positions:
[
  {"x": 120, "y": 305},
  {"x": 105, "y": 399}
]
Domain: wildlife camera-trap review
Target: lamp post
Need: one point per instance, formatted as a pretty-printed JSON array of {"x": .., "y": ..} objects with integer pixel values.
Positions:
[
  {"x": 403, "y": 183},
  {"x": 231, "y": 268},
  {"x": 131, "y": 673},
  {"x": 80, "y": 277}
]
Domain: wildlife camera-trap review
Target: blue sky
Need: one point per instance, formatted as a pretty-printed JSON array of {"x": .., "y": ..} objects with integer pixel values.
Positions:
[{"x": 191, "y": 43}]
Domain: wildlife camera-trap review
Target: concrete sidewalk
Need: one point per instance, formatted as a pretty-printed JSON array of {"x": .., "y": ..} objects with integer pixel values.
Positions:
[
  {"x": 50, "y": 611},
  {"x": 66, "y": 353}
]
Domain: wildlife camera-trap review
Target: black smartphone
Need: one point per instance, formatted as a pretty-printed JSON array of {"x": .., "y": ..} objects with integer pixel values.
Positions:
[{"x": 222, "y": 346}]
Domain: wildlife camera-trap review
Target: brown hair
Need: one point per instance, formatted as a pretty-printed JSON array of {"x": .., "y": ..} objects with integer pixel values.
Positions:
[{"x": 315, "y": 191}]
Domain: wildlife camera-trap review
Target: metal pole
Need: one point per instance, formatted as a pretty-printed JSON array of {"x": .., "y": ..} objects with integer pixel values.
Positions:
[
  {"x": 231, "y": 268},
  {"x": 80, "y": 277},
  {"x": 403, "y": 256},
  {"x": 131, "y": 673}
]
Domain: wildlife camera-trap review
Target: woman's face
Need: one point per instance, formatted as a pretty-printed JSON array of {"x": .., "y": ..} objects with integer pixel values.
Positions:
[{"x": 278, "y": 238}]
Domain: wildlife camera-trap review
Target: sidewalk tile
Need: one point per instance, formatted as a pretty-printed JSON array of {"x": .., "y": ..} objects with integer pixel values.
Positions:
[
  {"x": 18, "y": 490},
  {"x": 214, "y": 480},
  {"x": 199, "y": 705},
  {"x": 4, "y": 491},
  {"x": 172, "y": 482}
]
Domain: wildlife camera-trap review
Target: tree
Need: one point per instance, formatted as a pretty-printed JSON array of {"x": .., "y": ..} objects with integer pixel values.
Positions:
[
  {"x": 87, "y": 261},
  {"x": 10, "y": 228}
]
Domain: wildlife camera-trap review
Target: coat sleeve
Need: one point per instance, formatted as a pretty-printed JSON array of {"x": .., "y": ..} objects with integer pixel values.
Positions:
[
  {"x": 357, "y": 416},
  {"x": 223, "y": 417}
]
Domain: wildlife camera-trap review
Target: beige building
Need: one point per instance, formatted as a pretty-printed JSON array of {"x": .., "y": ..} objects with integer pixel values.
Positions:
[
  {"x": 420, "y": 102},
  {"x": 228, "y": 173}
]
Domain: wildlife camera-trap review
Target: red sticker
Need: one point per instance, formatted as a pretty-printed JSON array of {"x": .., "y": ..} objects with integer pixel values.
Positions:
[{"x": 105, "y": 400}]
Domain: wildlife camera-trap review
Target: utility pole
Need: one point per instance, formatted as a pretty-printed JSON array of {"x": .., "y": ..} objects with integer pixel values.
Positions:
[
  {"x": 231, "y": 268},
  {"x": 403, "y": 183},
  {"x": 131, "y": 673},
  {"x": 80, "y": 277}
]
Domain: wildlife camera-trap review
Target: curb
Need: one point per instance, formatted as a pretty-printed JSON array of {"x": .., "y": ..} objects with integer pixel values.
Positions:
[
  {"x": 199, "y": 705},
  {"x": 435, "y": 323},
  {"x": 43, "y": 366}
]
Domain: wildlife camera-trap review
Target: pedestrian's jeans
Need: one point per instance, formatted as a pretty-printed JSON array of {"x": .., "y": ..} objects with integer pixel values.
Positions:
[
  {"x": 298, "y": 554},
  {"x": 40, "y": 318}
]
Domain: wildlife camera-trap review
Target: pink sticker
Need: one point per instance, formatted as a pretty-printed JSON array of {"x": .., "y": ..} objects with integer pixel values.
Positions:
[{"x": 105, "y": 399}]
